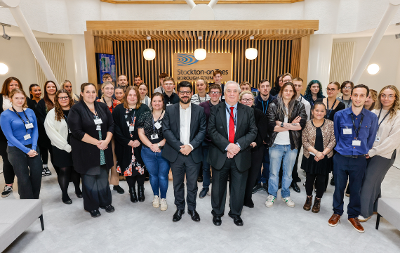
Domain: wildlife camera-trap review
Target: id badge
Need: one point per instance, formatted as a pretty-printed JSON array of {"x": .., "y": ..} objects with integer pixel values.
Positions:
[
  {"x": 377, "y": 138},
  {"x": 157, "y": 125},
  {"x": 69, "y": 131},
  {"x": 131, "y": 128},
  {"x": 98, "y": 127},
  {"x": 154, "y": 136},
  {"x": 27, "y": 136},
  {"x": 98, "y": 121},
  {"x": 29, "y": 125},
  {"x": 169, "y": 104},
  {"x": 347, "y": 131},
  {"x": 223, "y": 97},
  {"x": 356, "y": 143}
]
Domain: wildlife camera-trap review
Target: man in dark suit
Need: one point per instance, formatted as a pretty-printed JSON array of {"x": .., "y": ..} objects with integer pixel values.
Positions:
[
  {"x": 184, "y": 128},
  {"x": 231, "y": 128}
]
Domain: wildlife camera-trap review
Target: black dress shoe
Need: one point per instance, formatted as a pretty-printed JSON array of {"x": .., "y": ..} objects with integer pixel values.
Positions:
[
  {"x": 237, "y": 220},
  {"x": 78, "y": 194},
  {"x": 195, "y": 216},
  {"x": 295, "y": 187},
  {"x": 203, "y": 193},
  {"x": 217, "y": 220},
  {"x": 333, "y": 180},
  {"x": 178, "y": 215},
  {"x": 109, "y": 208},
  {"x": 118, "y": 189},
  {"x": 200, "y": 179},
  {"x": 265, "y": 187},
  {"x": 132, "y": 193},
  {"x": 249, "y": 204},
  {"x": 66, "y": 200},
  {"x": 95, "y": 213}
]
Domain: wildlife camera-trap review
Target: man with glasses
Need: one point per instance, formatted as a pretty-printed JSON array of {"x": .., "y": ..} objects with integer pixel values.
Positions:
[
  {"x": 184, "y": 128},
  {"x": 232, "y": 129},
  {"x": 355, "y": 131},
  {"x": 262, "y": 101},
  {"x": 215, "y": 94},
  {"x": 170, "y": 97},
  {"x": 346, "y": 88}
]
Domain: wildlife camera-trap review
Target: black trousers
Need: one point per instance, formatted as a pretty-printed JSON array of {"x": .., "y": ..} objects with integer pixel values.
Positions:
[
  {"x": 319, "y": 184},
  {"x": 184, "y": 165},
  {"x": 257, "y": 156},
  {"x": 237, "y": 186},
  {"x": 8, "y": 170},
  {"x": 96, "y": 190}
]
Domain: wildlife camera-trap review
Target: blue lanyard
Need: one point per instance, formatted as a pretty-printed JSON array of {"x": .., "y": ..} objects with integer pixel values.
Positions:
[
  {"x": 266, "y": 108},
  {"x": 354, "y": 124}
]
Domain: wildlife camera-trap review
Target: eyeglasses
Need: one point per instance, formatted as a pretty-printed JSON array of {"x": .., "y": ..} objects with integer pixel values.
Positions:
[
  {"x": 185, "y": 92},
  {"x": 247, "y": 100},
  {"x": 214, "y": 92},
  {"x": 63, "y": 98},
  {"x": 347, "y": 88},
  {"x": 389, "y": 96}
]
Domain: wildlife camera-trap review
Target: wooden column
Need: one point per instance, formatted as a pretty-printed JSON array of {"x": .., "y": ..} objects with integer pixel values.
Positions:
[
  {"x": 91, "y": 57},
  {"x": 304, "y": 52}
]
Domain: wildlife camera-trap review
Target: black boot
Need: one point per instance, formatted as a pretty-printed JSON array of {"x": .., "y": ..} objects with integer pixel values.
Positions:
[
  {"x": 141, "y": 193},
  {"x": 132, "y": 192}
]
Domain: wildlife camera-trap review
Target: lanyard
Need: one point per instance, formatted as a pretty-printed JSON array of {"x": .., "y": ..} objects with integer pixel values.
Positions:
[
  {"x": 383, "y": 117},
  {"x": 19, "y": 116},
  {"x": 152, "y": 118},
  {"x": 112, "y": 103},
  {"x": 354, "y": 124},
  {"x": 266, "y": 108},
  {"x": 233, "y": 117},
  {"x": 330, "y": 110}
]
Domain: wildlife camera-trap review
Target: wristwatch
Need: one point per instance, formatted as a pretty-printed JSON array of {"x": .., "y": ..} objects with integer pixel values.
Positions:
[
  {"x": 282, "y": 124},
  {"x": 159, "y": 146}
]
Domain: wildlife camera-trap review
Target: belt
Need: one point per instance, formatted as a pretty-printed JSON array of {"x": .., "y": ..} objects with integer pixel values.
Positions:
[{"x": 353, "y": 156}]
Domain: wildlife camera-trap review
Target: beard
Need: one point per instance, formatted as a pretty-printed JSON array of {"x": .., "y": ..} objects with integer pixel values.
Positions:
[{"x": 187, "y": 102}]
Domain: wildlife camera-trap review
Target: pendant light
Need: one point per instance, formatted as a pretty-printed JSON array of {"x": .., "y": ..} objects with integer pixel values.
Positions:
[
  {"x": 149, "y": 53},
  {"x": 200, "y": 53},
  {"x": 251, "y": 53}
]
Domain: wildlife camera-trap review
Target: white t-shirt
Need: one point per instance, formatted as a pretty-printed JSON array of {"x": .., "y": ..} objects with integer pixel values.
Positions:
[
  {"x": 6, "y": 103},
  {"x": 282, "y": 138}
]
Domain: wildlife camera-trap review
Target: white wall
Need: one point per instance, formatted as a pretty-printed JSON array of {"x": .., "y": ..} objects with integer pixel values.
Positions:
[
  {"x": 21, "y": 62},
  {"x": 387, "y": 56}
]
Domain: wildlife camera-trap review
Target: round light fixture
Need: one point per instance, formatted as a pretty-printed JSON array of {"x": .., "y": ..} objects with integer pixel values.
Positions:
[
  {"x": 3, "y": 69},
  {"x": 251, "y": 53},
  {"x": 200, "y": 54},
  {"x": 149, "y": 54},
  {"x": 373, "y": 69}
]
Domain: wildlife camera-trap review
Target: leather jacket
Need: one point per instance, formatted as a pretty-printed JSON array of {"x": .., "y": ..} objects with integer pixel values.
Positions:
[{"x": 273, "y": 115}]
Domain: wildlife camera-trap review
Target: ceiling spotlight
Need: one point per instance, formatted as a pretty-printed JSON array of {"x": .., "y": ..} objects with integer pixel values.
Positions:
[
  {"x": 373, "y": 69},
  {"x": 5, "y": 36}
]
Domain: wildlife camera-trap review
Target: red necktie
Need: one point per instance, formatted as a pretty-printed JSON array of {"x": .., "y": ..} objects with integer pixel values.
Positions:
[{"x": 231, "y": 127}]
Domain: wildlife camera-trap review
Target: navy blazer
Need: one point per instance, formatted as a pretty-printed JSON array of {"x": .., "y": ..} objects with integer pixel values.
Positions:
[{"x": 171, "y": 132}]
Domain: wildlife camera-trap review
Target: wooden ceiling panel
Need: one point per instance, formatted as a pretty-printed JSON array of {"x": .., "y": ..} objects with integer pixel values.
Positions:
[{"x": 201, "y": 1}]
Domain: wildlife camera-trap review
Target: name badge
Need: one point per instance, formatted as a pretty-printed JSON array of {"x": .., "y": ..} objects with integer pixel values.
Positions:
[
  {"x": 169, "y": 104},
  {"x": 29, "y": 125},
  {"x": 356, "y": 143},
  {"x": 131, "y": 128},
  {"x": 27, "y": 136},
  {"x": 223, "y": 97},
  {"x": 157, "y": 125},
  {"x": 347, "y": 131},
  {"x": 98, "y": 121},
  {"x": 154, "y": 136},
  {"x": 377, "y": 138},
  {"x": 98, "y": 128}
]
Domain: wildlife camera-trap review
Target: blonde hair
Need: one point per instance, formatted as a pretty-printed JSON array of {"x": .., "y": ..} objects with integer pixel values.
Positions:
[
  {"x": 15, "y": 91},
  {"x": 396, "y": 105},
  {"x": 104, "y": 85},
  {"x": 73, "y": 96},
  {"x": 244, "y": 93}
]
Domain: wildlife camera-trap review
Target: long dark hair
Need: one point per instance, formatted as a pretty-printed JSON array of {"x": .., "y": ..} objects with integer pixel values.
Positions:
[
  {"x": 308, "y": 94},
  {"x": 57, "y": 107},
  {"x": 30, "y": 89},
  {"x": 281, "y": 105},
  {"x": 5, "y": 91},
  {"x": 47, "y": 100}
]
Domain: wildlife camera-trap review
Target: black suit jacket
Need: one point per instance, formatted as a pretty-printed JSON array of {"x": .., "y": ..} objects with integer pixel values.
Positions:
[
  {"x": 246, "y": 133},
  {"x": 171, "y": 132}
]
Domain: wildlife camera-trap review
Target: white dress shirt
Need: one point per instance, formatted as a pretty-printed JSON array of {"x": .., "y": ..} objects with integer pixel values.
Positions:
[{"x": 184, "y": 119}]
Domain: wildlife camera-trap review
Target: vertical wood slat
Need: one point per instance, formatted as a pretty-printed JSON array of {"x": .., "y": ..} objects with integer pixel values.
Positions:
[{"x": 274, "y": 58}]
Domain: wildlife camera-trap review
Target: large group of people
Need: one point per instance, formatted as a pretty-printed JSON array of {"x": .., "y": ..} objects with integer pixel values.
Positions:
[{"x": 224, "y": 132}]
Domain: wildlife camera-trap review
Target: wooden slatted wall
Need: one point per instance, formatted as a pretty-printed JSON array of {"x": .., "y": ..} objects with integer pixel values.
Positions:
[{"x": 274, "y": 57}]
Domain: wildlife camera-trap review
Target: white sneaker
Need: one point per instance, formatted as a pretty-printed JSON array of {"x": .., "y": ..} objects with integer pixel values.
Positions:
[
  {"x": 270, "y": 201},
  {"x": 164, "y": 205},
  {"x": 289, "y": 202},
  {"x": 156, "y": 201},
  {"x": 362, "y": 219}
]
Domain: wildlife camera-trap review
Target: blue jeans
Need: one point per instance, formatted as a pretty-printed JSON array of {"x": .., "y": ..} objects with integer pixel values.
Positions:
[
  {"x": 264, "y": 176},
  {"x": 158, "y": 168},
  {"x": 206, "y": 167},
  {"x": 276, "y": 154},
  {"x": 353, "y": 169}
]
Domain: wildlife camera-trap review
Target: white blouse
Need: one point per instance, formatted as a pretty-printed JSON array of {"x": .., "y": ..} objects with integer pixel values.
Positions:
[
  {"x": 6, "y": 103},
  {"x": 57, "y": 131}
]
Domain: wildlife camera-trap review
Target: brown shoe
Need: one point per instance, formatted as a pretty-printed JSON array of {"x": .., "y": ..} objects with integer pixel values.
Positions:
[
  {"x": 356, "y": 224},
  {"x": 334, "y": 220},
  {"x": 307, "y": 205},
  {"x": 317, "y": 205}
]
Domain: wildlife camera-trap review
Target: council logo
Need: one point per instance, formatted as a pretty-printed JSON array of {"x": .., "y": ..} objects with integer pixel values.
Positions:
[{"x": 186, "y": 60}]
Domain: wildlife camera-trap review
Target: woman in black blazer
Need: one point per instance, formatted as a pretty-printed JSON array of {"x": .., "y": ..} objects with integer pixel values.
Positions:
[
  {"x": 128, "y": 146},
  {"x": 257, "y": 146},
  {"x": 92, "y": 128}
]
